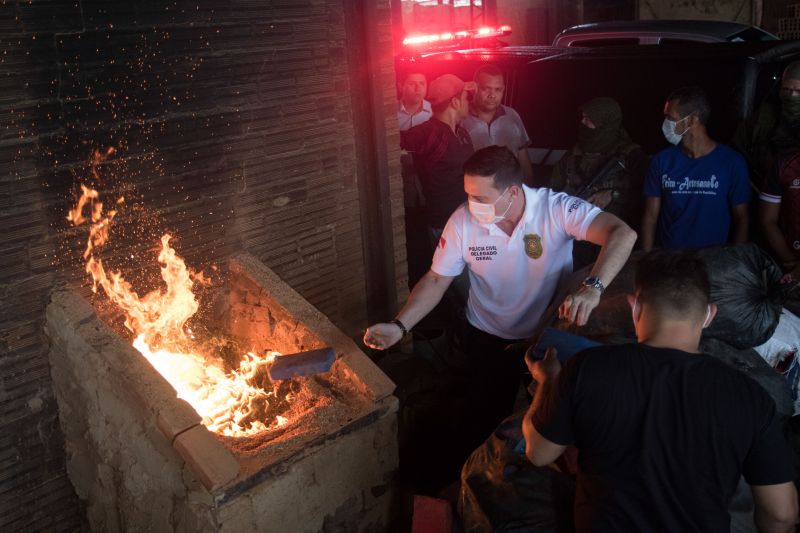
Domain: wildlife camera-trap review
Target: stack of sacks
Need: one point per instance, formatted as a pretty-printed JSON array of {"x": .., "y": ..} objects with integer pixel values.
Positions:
[{"x": 782, "y": 352}]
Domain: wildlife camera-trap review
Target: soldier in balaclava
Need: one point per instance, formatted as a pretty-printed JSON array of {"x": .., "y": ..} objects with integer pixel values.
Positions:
[
  {"x": 605, "y": 167},
  {"x": 774, "y": 128}
]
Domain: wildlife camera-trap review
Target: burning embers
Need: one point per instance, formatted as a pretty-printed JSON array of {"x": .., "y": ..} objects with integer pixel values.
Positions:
[{"x": 238, "y": 402}]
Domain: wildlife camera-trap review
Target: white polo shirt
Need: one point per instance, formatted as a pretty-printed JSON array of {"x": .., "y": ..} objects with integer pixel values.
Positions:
[
  {"x": 505, "y": 129},
  {"x": 514, "y": 278}
]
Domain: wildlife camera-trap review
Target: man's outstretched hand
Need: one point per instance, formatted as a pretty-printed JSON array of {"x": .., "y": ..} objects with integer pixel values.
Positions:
[
  {"x": 383, "y": 335},
  {"x": 579, "y": 305}
]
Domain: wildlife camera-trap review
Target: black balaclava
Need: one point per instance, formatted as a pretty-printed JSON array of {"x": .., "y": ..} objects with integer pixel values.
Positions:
[
  {"x": 606, "y": 114},
  {"x": 787, "y": 132}
]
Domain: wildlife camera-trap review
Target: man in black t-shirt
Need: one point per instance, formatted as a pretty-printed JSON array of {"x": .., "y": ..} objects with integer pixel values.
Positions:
[
  {"x": 663, "y": 432},
  {"x": 440, "y": 147}
]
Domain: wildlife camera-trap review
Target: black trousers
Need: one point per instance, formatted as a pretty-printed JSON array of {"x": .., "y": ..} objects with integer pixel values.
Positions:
[{"x": 493, "y": 378}]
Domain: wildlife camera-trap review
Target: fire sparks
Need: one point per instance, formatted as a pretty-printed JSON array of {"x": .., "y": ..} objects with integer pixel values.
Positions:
[{"x": 228, "y": 401}]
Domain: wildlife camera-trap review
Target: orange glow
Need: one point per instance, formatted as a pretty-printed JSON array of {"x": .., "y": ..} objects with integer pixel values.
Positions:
[{"x": 227, "y": 401}]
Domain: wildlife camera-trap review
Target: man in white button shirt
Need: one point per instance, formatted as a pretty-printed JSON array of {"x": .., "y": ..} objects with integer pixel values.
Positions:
[
  {"x": 412, "y": 108},
  {"x": 491, "y": 123},
  {"x": 516, "y": 243}
]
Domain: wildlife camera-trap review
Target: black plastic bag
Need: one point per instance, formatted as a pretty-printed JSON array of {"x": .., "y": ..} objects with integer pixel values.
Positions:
[
  {"x": 745, "y": 285},
  {"x": 791, "y": 294}
]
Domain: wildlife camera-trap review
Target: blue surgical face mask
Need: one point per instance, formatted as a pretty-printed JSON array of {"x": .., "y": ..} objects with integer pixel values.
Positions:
[{"x": 485, "y": 213}]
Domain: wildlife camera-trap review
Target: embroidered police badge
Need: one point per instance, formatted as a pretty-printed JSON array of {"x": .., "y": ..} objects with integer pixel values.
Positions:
[{"x": 533, "y": 246}]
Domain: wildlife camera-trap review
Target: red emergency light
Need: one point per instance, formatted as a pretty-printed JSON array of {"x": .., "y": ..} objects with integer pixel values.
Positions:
[{"x": 451, "y": 38}]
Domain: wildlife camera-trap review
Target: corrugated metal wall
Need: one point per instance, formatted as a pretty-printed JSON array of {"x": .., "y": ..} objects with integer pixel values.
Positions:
[{"x": 232, "y": 122}]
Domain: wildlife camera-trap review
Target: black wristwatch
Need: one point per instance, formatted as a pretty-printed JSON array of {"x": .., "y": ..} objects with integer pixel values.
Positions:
[
  {"x": 595, "y": 283},
  {"x": 400, "y": 325}
]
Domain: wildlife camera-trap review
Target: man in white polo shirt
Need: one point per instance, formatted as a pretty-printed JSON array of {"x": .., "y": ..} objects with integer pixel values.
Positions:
[{"x": 516, "y": 243}]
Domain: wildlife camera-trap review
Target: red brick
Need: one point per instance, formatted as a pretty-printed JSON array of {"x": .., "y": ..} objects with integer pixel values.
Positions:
[{"x": 431, "y": 515}]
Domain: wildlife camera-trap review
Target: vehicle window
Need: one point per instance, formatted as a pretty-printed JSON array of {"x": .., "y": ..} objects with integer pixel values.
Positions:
[
  {"x": 621, "y": 41},
  {"x": 547, "y": 94}
]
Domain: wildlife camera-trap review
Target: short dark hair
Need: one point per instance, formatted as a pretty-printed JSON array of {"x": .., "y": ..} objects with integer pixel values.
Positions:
[
  {"x": 674, "y": 282},
  {"x": 692, "y": 99},
  {"x": 497, "y": 161},
  {"x": 489, "y": 70}
]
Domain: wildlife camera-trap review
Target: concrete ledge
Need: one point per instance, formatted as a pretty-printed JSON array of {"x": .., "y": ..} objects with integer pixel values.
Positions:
[
  {"x": 177, "y": 417},
  {"x": 208, "y": 458},
  {"x": 151, "y": 392},
  {"x": 154, "y": 398}
]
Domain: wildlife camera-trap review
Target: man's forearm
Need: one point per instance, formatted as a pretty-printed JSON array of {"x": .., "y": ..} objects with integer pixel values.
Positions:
[
  {"x": 528, "y": 431},
  {"x": 614, "y": 254},
  {"x": 527, "y": 421},
  {"x": 423, "y": 298},
  {"x": 740, "y": 231},
  {"x": 542, "y": 390},
  {"x": 775, "y": 239}
]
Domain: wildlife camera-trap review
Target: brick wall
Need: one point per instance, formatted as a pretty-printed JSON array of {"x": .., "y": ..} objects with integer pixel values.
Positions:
[
  {"x": 232, "y": 122},
  {"x": 734, "y": 10},
  {"x": 782, "y": 17}
]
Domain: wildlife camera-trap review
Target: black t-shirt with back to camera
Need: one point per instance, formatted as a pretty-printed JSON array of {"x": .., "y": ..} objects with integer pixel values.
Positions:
[
  {"x": 663, "y": 437},
  {"x": 439, "y": 155}
]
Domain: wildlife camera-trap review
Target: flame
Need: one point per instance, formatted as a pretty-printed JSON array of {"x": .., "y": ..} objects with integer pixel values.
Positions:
[
  {"x": 222, "y": 400},
  {"x": 228, "y": 402}
]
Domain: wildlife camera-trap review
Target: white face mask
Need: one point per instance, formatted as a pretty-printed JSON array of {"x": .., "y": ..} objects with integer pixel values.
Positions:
[
  {"x": 485, "y": 214},
  {"x": 668, "y": 129}
]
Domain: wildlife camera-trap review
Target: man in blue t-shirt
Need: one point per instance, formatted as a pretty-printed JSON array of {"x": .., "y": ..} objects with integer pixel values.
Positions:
[{"x": 696, "y": 191}]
